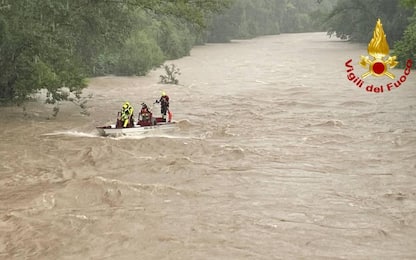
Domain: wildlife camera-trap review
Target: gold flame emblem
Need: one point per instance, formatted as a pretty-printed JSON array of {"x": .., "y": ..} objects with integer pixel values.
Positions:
[{"x": 378, "y": 49}]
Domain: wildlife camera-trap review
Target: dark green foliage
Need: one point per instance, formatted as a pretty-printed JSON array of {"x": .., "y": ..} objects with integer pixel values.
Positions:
[
  {"x": 175, "y": 38},
  {"x": 405, "y": 48},
  {"x": 408, "y": 3},
  {"x": 51, "y": 45},
  {"x": 139, "y": 54},
  {"x": 55, "y": 44},
  {"x": 355, "y": 19},
  {"x": 153, "y": 39}
]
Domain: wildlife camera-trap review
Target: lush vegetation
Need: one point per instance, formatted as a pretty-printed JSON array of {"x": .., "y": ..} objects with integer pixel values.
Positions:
[
  {"x": 55, "y": 45},
  {"x": 355, "y": 20},
  {"x": 247, "y": 18},
  {"x": 405, "y": 48}
]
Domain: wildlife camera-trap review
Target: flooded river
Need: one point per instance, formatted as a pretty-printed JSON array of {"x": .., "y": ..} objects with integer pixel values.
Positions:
[{"x": 277, "y": 155}]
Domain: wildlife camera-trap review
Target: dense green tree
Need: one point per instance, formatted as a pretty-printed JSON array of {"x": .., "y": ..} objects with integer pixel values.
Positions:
[
  {"x": 408, "y": 3},
  {"x": 139, "y": 55},
  {"x": 50, "y": 44},
  {"x": 355, "y": 19},
  {"x": 175, "y": 38},
  {"x": 405, "y": 48},
  {"x": 56, "y": 44}
]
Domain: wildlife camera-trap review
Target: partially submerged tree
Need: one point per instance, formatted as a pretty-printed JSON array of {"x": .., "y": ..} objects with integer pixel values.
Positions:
[{"x": 171, "y": 73}]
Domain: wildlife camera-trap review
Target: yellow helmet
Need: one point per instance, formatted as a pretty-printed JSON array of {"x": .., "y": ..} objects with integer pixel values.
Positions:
[
  {"x": 126, "y": 105},
  {"x": 163, "y": 93}
]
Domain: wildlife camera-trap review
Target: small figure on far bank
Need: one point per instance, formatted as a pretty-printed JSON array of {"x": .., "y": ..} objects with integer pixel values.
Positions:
[{"x": 164, "y": 105}]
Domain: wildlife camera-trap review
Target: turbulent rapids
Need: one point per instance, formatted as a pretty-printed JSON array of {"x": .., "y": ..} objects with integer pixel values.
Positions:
[{"x": 274, "y": 156}]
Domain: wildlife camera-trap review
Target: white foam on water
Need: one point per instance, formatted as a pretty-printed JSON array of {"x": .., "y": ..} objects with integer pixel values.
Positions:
[
  {"x": 73, "y": 133},
  {"x": 151, "y": 135},
  {"x": 130, "y": 136}
]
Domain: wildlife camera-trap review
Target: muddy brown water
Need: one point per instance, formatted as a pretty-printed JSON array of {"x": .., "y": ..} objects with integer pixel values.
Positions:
[{"x": 276, "y": 156}]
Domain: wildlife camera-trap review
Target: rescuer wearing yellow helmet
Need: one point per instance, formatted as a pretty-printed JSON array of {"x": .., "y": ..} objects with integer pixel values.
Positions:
[
  {"x": 127, "y": 114},
  {"x": 164, "y": 104}
]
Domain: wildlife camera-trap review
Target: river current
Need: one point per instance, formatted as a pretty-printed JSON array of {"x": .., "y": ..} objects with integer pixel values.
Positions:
[{"x": 277, "y": 155}]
